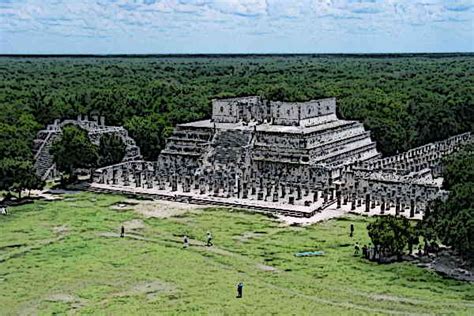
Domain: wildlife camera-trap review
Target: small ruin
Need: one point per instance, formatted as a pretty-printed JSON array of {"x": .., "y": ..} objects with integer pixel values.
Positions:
[
  {"x": 44, "y": 165},
  {"x": 287, "y": 158}
]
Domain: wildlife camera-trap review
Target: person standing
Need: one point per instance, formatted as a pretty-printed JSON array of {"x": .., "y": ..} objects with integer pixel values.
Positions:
[
  {"x": 185, "y": 241},
  {"x": 122, "y": 232},
  {"x": 209, "y": 239},
  {"x": 240, "y": 288},
  {"x": 352, "y": 231},
  {"x": 356, "y": 249}
]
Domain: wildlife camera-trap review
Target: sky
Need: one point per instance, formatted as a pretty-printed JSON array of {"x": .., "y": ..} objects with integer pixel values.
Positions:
[{"x": 235, "y": 26}]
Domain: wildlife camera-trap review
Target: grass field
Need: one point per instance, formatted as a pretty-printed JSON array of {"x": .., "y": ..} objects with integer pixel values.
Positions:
[{"x": 66, "y": 257}]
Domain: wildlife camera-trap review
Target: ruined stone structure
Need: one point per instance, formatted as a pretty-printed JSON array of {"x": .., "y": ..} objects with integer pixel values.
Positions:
[
  {"x": 405, "y": 181},
  {"x": 290, "y": 158},
  {"x": 95, "y": 128}
]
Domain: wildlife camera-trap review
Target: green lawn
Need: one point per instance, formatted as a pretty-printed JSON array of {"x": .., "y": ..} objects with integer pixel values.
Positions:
[{"x": 66, "y": 257}]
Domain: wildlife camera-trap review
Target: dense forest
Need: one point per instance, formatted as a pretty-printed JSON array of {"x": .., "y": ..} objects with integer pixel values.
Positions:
[
  {"x": 405, "y": 101},
  {"x": 452, "y": 221}
]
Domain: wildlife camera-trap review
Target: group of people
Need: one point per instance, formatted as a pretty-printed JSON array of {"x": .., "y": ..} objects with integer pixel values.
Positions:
[
  {"x": 208, "y": 240},
  {"x": 366, "y": 251},
  {"x": 185, "y": 237}
]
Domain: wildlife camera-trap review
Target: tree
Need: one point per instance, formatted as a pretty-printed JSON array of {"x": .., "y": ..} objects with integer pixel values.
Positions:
[
  {"x": 18, "y": 175},
  {"x": 391, "y": 235},
  {"x": 459, "y": 168},
  {"x": 74, "y": 150},
  {"x": 111, "y": 150},
  {"x": 452, "y": 221},
  {"x": 147, "y": 131}
]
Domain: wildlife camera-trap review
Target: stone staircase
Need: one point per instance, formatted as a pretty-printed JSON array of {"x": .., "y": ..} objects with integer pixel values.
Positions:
[
  {"x": 230, "y": 146},
  {"x": 43, "y": 159}
]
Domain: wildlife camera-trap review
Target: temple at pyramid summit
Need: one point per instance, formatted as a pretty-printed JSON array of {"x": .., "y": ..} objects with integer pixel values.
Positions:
[{"x": 288, "y": 158}]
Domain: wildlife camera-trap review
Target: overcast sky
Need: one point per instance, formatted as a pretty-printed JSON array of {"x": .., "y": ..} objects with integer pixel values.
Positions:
[{"x": 235, "y": 26}]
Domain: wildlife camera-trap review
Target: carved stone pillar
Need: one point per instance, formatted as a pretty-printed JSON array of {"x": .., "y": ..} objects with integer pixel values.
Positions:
[
  {"x": 367, "y": 202},
  {"x": 412, "y": 208},
  {"x": 397, "y": 206},
  {"x": 291, "y": 200},
  {"x": 126, "y": 177}
]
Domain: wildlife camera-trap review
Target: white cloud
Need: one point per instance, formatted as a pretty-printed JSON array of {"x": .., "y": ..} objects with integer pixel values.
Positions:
[{"x": 182, "y": 21}]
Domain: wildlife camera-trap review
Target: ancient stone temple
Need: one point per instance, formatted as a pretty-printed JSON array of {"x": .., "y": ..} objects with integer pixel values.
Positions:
[
  {"x": 289, "y": 158},
  {"x": 260, "y": 142}
]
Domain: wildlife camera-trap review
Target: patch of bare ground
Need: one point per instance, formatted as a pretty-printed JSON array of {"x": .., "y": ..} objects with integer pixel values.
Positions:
[
  {"x": 383, "y": 297},
  {"x": 74, "y": 301},
  {"x": 246, "y": 236},
  {"x": 32, "y": 307},
  {"x": 61, "y": 230},
  {"x": 266, "y": 268},
  {"x": 44, "y": 195},
  {"x": 151, "y": 289},
  {"x": 156, "y": 208},
  {"x": 134, "y": 224}
]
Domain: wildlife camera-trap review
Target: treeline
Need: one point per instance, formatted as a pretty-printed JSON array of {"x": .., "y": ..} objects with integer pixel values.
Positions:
[
  {"x": 405, "y": 101},
  {"x": 450, "y": 222}
]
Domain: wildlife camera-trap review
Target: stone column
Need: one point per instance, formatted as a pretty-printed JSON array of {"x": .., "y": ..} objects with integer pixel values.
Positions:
[
  {"x": 291, "y": 200},
  {"x": 161, "y": 184},
  {"x": 174, "y": 184},
  {"x": 245, "y": 191},
  {"x": 138, "y": 179},
  {"x": 397, "y": 206},
  {"x": 187, "y": 185},
  {"x": 196, "y": 182},
  {"x": 367, "y": 202},
  {"x": 275, "y": 196},
  {"x": 114, "y": 176},
  {"x": 216, "y": 187},
  {"x": 253, "y": 190},
  {"x": 126, "y": 177},
  {"x": 149, "y": 179}
]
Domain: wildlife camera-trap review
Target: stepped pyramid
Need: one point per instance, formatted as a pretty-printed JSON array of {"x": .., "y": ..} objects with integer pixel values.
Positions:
[{"x": 294, "y": 143}]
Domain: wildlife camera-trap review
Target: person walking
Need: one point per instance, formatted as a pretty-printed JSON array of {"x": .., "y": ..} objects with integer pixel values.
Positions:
[{"x": 240, "y": 288}]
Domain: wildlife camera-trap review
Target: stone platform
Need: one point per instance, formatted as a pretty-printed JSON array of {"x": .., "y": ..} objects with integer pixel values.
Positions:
[
  {"x": 298, "y": 214},
  {"x": 275, "y": 208}
]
